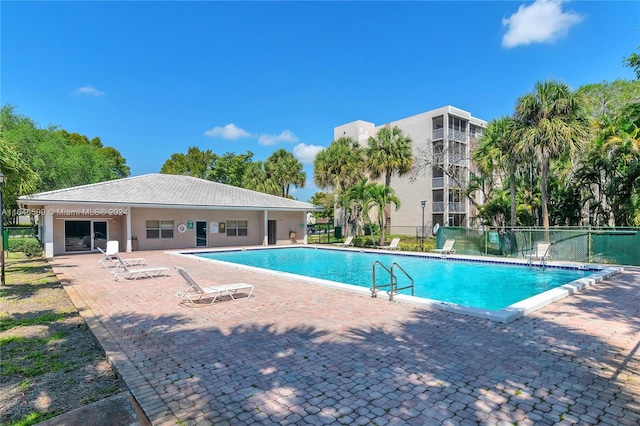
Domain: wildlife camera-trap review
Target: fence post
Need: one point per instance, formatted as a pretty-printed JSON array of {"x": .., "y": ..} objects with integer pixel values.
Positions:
[{"x": 589, "y": 245}]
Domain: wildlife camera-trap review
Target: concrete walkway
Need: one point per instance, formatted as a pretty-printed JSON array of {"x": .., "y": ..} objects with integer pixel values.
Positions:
[{"x": 298, "y": 353}]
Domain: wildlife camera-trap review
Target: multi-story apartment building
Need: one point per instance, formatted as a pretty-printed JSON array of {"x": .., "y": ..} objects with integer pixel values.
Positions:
[{"x": 443, "y": 140}]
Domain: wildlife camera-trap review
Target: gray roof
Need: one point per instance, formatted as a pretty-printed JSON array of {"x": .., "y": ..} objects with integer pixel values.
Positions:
[{"x": 167, "y": 191}]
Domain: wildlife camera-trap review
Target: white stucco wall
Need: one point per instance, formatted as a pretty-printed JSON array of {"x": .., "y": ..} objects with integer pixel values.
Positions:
[
  {"x": 285, "y": 221},
  {"x": 419, "y": 127}
]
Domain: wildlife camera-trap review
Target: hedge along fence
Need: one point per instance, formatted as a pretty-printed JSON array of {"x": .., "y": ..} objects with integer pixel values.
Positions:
[
  {"x": 21, "y": 231},
  {"x": 31, "y": 247}
]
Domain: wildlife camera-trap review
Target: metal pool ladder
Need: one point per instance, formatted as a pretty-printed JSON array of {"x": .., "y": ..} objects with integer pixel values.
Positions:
[{"x": 392, "y": 285}]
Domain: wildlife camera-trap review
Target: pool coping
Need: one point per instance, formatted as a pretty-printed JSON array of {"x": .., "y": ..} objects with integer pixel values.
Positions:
[{"x": 505, "y": 315}]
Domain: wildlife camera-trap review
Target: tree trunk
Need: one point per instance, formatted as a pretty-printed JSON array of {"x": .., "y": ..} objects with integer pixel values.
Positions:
[
  {"x": 512, "y": 188},
  {"x": 544, "y": 196},
  {"x": 387, "y": 208}
]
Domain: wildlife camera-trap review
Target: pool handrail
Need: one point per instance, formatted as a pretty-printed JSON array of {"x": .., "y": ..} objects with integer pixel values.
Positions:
[{"x": 393, "y": 280}]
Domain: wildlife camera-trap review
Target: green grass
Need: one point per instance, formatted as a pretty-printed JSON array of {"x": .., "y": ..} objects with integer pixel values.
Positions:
[
  {"x": 31, "y": 356},
  {"x": 47, "y": 318},
  {"x": 33, "y": 418}
]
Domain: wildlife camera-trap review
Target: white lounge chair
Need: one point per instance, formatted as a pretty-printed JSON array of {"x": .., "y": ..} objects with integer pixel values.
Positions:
[
  {"x": 393, "y": 246},
  {"x": 446, "y": 249},
  {"x": 123, "y": 272},
  {"x": 541, "y": 252},
  {"x": 110, "y": 260},
  {"x": 193, "y": 293},
  {"x": 348, "y": 242}
]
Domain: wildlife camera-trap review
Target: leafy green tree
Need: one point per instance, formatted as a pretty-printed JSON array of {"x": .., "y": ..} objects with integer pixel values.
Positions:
[
  {"x": 609, "y": 169},
  {"x": 20, "y": 179},
  {"x": 58, "y": 158},
  {"x": 230, "y": 168},
  {"x": 119, "y": 167},
  {"x": 553, "y": 120},
  {"x": 607, "y": 99},
  {"x": 323, "y": 199},
  {"x": 285, "y": 171},
  {"x": 605, "y": 168},
  {"x": 195, "y": 163},
  {"x": 633, "y": 62},
  {"x": 495, "y": 211}
]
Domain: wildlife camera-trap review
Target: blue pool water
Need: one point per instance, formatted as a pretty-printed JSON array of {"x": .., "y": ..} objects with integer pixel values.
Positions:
[{"x": 475, "y": 284}]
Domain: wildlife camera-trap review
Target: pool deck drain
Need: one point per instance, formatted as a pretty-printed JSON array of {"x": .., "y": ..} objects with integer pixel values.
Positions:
[{"x": 298, "y": 353}]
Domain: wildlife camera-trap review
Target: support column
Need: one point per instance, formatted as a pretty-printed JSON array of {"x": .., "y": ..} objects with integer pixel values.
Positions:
[
  {"x": 129, "y": 248},
  {"x": 265, "y": 239},
  {"x": 48, "y": 234},
  {"x": 304, "y": 223}
]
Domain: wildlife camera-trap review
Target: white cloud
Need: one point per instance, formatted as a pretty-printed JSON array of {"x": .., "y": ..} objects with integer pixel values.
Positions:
[
  {"x": 230, "y": 131},
  {"x": 306, "y": 153},
  {"x": 89, "y": 91},
  {"x": 541, "y": 22},
  {"x": 285, "y": 136}
]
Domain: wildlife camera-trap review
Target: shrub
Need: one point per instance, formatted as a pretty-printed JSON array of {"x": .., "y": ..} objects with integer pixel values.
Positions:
[
  {"x": 369, "y": 227},
  {"x": 15, "y": 244},
  {"x": 31, "y": 247}
]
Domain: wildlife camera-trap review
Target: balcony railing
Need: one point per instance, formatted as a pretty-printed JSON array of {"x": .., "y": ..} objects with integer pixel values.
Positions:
[
  {"x": 456, "y": 207},
  {"x": 439, "y": 182},
  {"x": 456, "y": 158},
  {"x": 437, "y": 134},
  {"x": 457, "y": 135},
  {"x": 437, "y": 207}
]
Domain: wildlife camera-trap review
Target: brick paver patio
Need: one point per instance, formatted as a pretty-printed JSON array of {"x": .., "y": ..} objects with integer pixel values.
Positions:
[{"x": 298, "y": 353}]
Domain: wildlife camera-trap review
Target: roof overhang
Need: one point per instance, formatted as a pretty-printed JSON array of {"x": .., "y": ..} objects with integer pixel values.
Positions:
[{"x": 24, "y": 202}]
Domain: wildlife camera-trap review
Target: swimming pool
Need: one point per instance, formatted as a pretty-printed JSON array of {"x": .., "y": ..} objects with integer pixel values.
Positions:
[{"x": 476, "y": 285}]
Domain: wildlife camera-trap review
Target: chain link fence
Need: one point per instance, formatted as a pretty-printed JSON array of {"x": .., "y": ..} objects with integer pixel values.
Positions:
[
  {"x": 604, "y": 245},
  {"x": 591, "y": 245}
]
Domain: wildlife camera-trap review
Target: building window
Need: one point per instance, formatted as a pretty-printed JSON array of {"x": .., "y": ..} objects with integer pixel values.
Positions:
[
  {"x": 457, "y": 124},
  {"x": 159, "y": 228},
  {"x": 237, "y": 228}
]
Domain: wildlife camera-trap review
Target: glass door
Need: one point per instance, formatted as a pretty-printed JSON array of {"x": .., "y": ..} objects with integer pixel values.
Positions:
[
  {"x": 201, "y": 233},
  {"x": 77, "y": 235},
  {"x": 84, "y": 235},
  {"x": 100, "y": 235},
  {"x": 271, "y": 231}
]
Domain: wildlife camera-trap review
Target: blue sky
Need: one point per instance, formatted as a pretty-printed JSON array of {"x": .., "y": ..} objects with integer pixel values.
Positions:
[{"x": 154, "y": 78}]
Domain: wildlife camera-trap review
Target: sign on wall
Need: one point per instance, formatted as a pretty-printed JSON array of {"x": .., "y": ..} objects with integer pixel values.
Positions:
[{"x": 213, "y": 227}]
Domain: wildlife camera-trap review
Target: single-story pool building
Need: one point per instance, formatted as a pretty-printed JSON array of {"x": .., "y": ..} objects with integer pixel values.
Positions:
[{"x": 162, "y": 211}]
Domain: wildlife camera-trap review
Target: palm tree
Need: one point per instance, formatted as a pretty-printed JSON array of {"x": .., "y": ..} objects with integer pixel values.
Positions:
[
  {"x": 356, "y": 197},
  {"x": 389, "y": 152},
  {"x": 339, "y": 166},
  {"x": 285, "y": 170},
  {"x": 553, "y": 120},
  {"x": 379, "y": 197},
  {"x": 256, "y": 178},
  {"x": 496, "y": 152}
]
